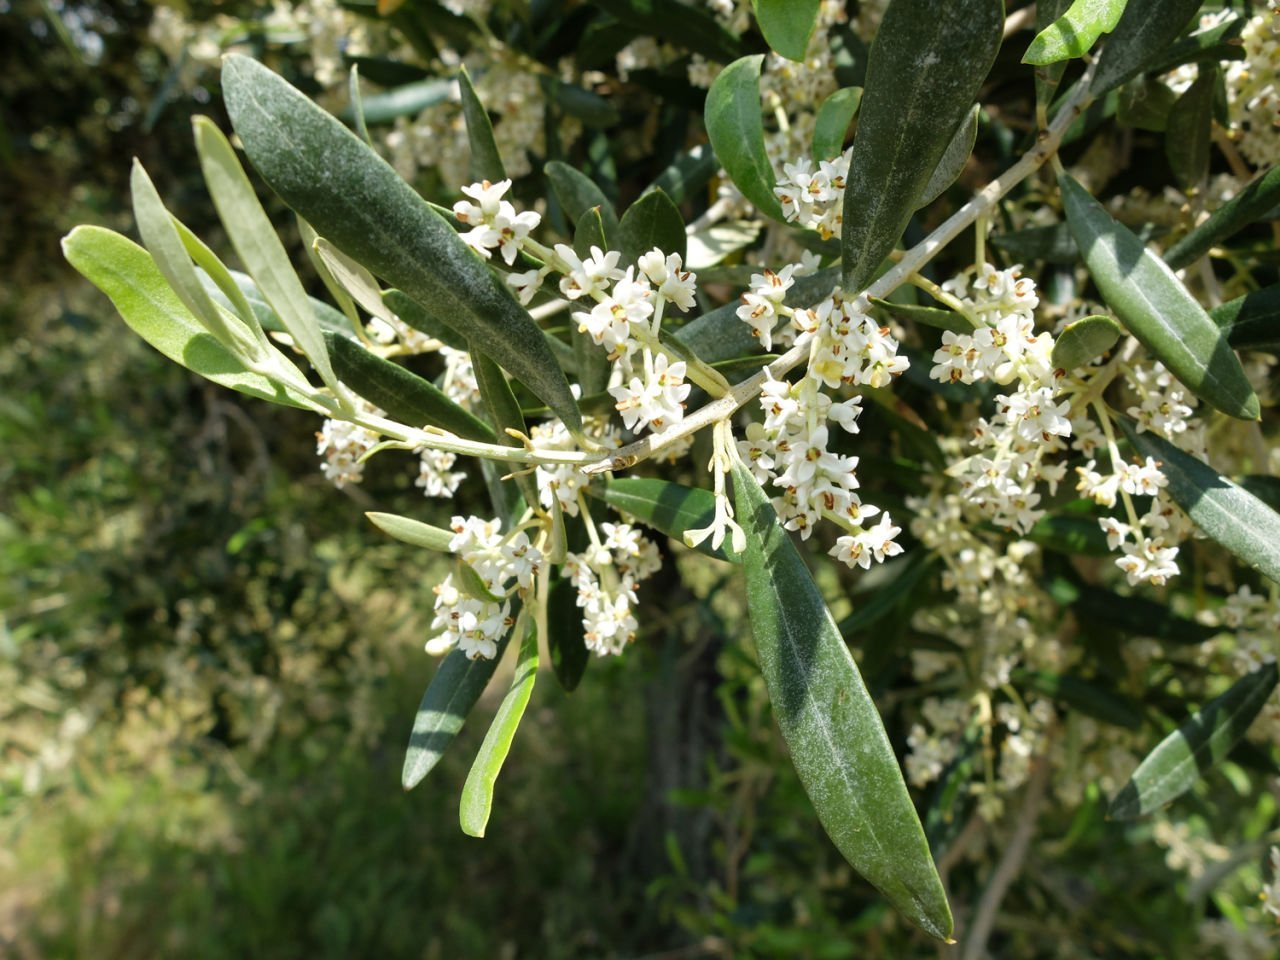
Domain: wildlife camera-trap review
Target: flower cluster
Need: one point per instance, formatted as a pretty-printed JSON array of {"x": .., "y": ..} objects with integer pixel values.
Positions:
[
  {"x": 606, "y": 576},
  {"x": 343, "y": 444},
  {"x": 493, "y": 221},
  {"x": 473, "y": 609},
  {"x": 814, "y": 198}
]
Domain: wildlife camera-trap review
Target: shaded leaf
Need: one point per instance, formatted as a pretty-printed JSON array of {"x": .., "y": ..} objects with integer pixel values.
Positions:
[
  {"x": 406, "y": 101},
  {"x": 565, "y": 643},
  {"x": 1084, "y": 340},
  {"x": 685, "y": 26},
  {"x": 652, "y": 221},
  {"x": 954, "y": 158},
  {"x": 1228, "y": 513},
  {"x": 1087, "y": 696},
  {"x": 591, "y": 360},
  {"x": 1144, "y": 34},
  {"x": 1196, "y": 747},
  {"x": 1186, "y": 142},
  {"x": 486, "y": 161},
  {"x": 1251, "y": 322},
  {"x": 1155, "y": 307},
  {"x": 668, "y": 507},
  {"x": 352, "y": 197},
  {"x": 926, "y": 66},
  {"x": 832, "y": 122},
  {"x": 578, "y": 193},
  {"x": 1138, "y": 616},
  {"x": 1075, "y": 32},
  {"x": 687, "y": 174},
  {"x": 504, "y": 412},
  {"x": 787, "y": 25},
  {"x": 1145, "y": 103},
  {"x": 935, "y": 317},
  {"x": 830, "y": 723},
  {"x": 422, "y": 320},
  {"x": 404, "y": 395},
  {"x": 130, "y": 278},
  {"x": 1251, "y": 204},
  {"x": 736, "y": 130},
  {"x": 1052, "y": 243}
]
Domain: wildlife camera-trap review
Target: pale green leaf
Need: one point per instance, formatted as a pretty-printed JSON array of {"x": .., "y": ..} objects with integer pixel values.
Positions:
[
  {"x": 1155, "y": 307},
  {"x": 830, "y": 723},
  {"x": 832, "y": 122},
  {"x": 1075, "y": 32},
  {"x": 736, "y": 129},
  {"x": 413, "y": 532},
  {"x": 787, "y": 25},
  {"x": 1084, "y": 340}
]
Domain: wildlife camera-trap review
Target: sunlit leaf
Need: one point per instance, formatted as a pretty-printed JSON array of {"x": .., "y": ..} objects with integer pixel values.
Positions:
[
  {"x": 406, "y": 101},
  {"x": 353, "y": 198},
  {"x": 787, "y": 25},
  {"x": 486, "y": 161},
  {"x": 1075, "y": 32},
  {"x": 1155, "y": 307},
  {"x": 1196, "y": 747},
  {"x": 413, "y": 532},
  {"x": 1225, "y": 511},
  {"x": 1084, "y": 340},
  {"x": 927, "y": 64},
  {"x": 830, "y": 723},
  {"x": 736, "y": 130}
]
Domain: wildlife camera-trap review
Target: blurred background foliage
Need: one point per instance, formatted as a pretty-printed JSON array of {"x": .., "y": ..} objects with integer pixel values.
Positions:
[{"x": 209, "y": 662}]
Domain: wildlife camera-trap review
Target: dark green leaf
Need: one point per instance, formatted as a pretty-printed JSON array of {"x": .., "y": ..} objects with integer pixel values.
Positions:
[
  {"x": 1251, "y": 322},
  {"x": 830, "y": 723},
  {"x": 486, "y": 161},
  {"x": 1084, "y": 340},
  {"x": 405, "y": 396},
  {"x": 832, "y": 122},
  {"x": 1205, "y": 46},
  {"x": 1145, "y": 104},
  {"x": 1225, "y": 511},
  {"x": 1137, "y": 616},
  {"x": 504, "y": 411},
  {"x": 589, "y": 107},
  {"x": 736, "y": 130},
  {"x": 130, "y": 278},
  {"x": 888, "y": 597},
  {"x": 670, "y": 508},
  {"x": 1155, "y": 307},
  {"x": 1196, "y": 747},
  {"x": 565, "y": 643},
  {"x": 413, "y": 532},
  {"x": 687, "y": 174},
  {"x": 934, "y": 317},
  {"x": 954, "y": 158},
  {"x": 926, "y": 66},
  {"x": 1053, "y": 244},
  {"x": 688, "y": 27},
  {"x": 417, "y": 316},
  {"x": 406, "y": 101},
  {"x": 1075, "y": 32},
  {"x": 1068, "y": 533},
  {"x": 1253, "y": 203},
  {"x": 578, "y": 193},
  {"x": 787, "y": 25},
  {"x": 451, "y": 694},
  {"x": 1186, "y": 141},
  {"x": 1087, "y": 696},
  {"x": 354, "y": 199},
  {"x": 591, "y": 360},
  {"x": 652, "y": 221},
  {"x": 1143, "y": 35},
  {"x": 477, "y": 792}
]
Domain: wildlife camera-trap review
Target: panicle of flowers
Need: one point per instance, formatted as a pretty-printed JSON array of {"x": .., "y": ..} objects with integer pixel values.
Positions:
[
  {"x": 562, "y": 483},
  {"x": 606, "y": 576},
  {"x": 1253, "y": 88},
  {"x": 814, "y": 198},
  {"x": 1029, "y": 424},
  {"x": 473, "y": 611},
  {"x": 436, "y": 475},
  {"x": 1254, "y": 619},
  {"x": 791, "y": 449},
  {"x": 342, "y": 444}
]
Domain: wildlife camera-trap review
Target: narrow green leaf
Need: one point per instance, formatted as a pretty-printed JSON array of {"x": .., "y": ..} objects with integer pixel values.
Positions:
[
  {"x": 927, "y": 64},
  {"x": 1251, "y": 322},
  {"x": 1087, "y": 696},
  {"x": 352, "y": 278},
  {"x": 736, "y": 130},
  {"x": 504, "y": 412},
  {"x": 128, "y": 275},
  {"x": 248, "y": 292},
  {"x": 357, "y": 105},
  {"x": 586, "y": 105},
  {"x": 1144, "y": 34},
  {"x": 352, "y": 197},
  {"x": 224, "y": 285},
  {"x": 417, "y": 316},
  {"x": 830, "y": 723},
  {"x": 578, "y": 193},
  {"x": 164, "y": 243},
  {"x": 652, "y": 221},
  {"x": 1084, "y": 340},
  {"x": 1138, "y": 616},
  {"x": 688, "y": 27},
  {"x": 1251, "y": 204},
  {"x": 406, "y": 101},
  {"x": 668, "y": 507},
  {"x": 687, "y": 174},
  {"x": 1052, "y": 244},
  {"x": 1145, "y": 104},
  {"x": 1155, "y": 307},
  {"x": 1048, "y": 77},
  {"x": 832, "y": 122},
  {"x": 1196, "y": 747},
  {"x": 935, "y": 317},
  {"x": 565, "y": 642},
  {"x": 257, "y": 245},
  {"x": 954, "y": 158},
  {"x": 1070, "y": 534},
  {"x": 591, "y": 360},
  {"x": 1228, "y": 513},
  {"x": 1075, "y": 32},
  {"x": 1187, "y": 140},
  {"x": 450, "y": 697},
  {"x": 404, "y": 395},
  {"x": 787, "y": 25},
  {"x": 413, "y": 532},
  {"x": 889, "y": 597},
  {"x": 486, "y": 161},
  {"x": 1204, "y": 46},
  {"x": 477, "y": 792}
]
